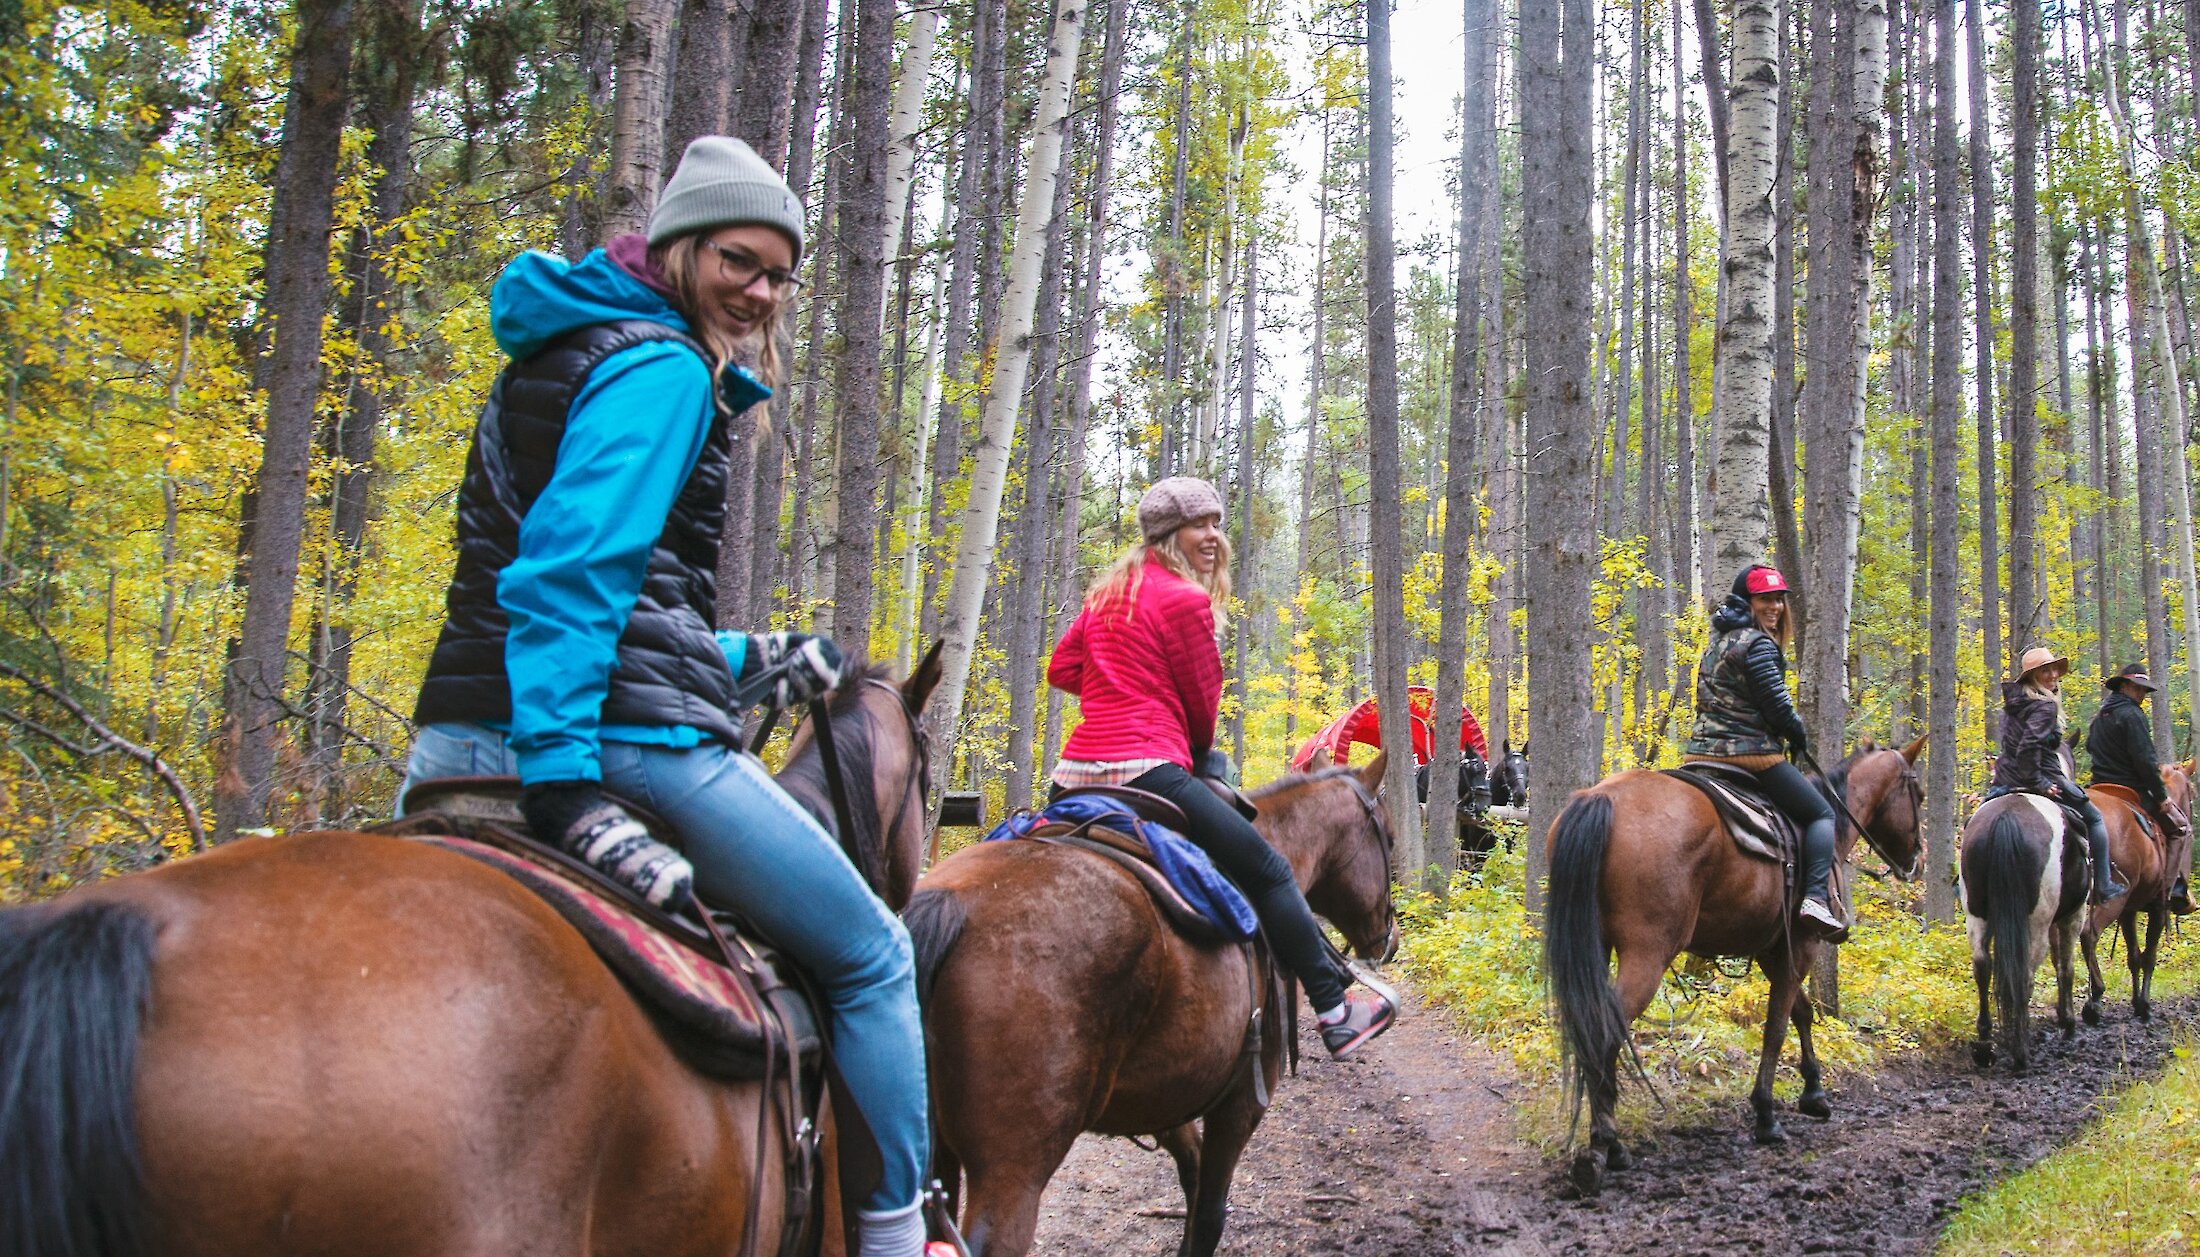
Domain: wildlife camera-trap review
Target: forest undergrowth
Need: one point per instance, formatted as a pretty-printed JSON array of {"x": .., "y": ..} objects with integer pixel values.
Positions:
[{"x": 1904, "y": 985}]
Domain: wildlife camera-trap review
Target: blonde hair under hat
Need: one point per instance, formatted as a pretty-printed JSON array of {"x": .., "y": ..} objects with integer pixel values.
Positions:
[{"x": 721, "y": 182}]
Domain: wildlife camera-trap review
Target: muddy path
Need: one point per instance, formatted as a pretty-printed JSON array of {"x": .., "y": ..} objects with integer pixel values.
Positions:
[{"x": 1412, "y": 1151}]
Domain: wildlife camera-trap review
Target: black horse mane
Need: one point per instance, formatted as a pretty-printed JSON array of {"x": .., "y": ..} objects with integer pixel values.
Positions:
[{"x": 803, "y": 776}]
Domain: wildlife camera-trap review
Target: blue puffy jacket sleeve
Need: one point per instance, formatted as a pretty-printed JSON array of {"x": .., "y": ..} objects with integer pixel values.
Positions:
[{"x": 631, "y": 440}]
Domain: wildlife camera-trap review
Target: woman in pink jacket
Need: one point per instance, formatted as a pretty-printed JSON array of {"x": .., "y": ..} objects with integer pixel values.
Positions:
[{"x": 1143, "y": 662}]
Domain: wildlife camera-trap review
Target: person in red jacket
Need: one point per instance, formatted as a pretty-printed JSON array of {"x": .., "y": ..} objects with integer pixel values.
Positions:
[{"x": 1142, "y": 660}]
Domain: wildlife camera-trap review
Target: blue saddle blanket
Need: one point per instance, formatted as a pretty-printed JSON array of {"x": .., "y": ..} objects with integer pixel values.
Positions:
[{"x": 1185, "y": 866}]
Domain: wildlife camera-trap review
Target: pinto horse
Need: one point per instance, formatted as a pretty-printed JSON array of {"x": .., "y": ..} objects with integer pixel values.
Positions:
[
  {"x": 2023, "y": 885},
  {"x": 1057, "y": 1001},
  {"x": 2149, "y": 870},
  {"x": 1641, "y": 865},
  {"x": 349, "y": 1044}
]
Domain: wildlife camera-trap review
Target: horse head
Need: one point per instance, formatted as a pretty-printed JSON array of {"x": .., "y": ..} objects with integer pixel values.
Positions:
[
  {"x": 1333, "y": 826},
  {"x": 2178, "y": 779},
  {"x": 1879, "y": 788},
  {"x": 885, "y": 764}
]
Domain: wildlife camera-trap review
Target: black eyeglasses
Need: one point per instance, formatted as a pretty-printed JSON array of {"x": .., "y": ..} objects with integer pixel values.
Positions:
[{"x": 742, "y": 268}]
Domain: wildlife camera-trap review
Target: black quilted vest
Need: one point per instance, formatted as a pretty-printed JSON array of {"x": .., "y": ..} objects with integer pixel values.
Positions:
[{"x": 670, "y": 670}]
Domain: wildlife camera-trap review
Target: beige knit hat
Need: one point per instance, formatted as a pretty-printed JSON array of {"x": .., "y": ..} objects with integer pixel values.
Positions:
[
  {"x": 1170, "y": 504},
  {"x": 721, "y": 182}
]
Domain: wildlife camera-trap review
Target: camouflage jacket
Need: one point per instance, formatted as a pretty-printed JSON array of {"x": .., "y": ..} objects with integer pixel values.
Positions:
[{"x": 1742, "y": 703}]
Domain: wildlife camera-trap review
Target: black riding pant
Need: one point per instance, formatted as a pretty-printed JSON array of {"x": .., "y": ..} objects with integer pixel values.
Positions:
[
  {"x": 1793, "y": 793},
  {"x": 1261, "y": 872}
]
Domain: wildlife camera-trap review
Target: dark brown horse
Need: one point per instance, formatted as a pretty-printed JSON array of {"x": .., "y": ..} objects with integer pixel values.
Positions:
[
  {"x": 2148, "y": 869},
  {"x": 343, "y": 1043},
  {"x": 1642, "y": 866},
  {"x": 1057, "y": 1002}
]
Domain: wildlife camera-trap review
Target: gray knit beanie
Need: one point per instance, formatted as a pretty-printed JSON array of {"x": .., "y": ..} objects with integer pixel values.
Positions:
[
  {"x": 1170, "y": 504},
  {"x": 722, "y": 182}
]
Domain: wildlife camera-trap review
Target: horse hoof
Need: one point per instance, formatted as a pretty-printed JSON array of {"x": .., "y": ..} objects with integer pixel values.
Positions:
[
  {"x": 1982, "y": 1054},
  {"x": 2093, "y": 1014},
  {"x": 1586, "y": 1178},
  {"x": 1770, "y": 1133},
  {"x": 2069, "y": 1028},
  {"x": 2142, "y": 1010},
  {"x": 1616, "y": 1156},
  {"x": 1813, "y": 1104}
]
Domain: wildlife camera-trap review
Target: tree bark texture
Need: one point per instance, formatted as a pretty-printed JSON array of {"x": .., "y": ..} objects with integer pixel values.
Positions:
[
  {"x": 863, "y": 239},
  {"x": 297, "y": 295},
  {"x": 2026, "y": 604},
  {"x": 1558, "y": 42},
  {"x": 1947, "y": 399},
  {"x": 1741, "y": 524},
  {"x": 644, "y": 63}
]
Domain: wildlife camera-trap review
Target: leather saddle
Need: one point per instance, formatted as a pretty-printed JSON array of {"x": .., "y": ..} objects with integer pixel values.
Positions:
[
  {"x": 1758, "y": 827},
  {"x": 729, "y": 1004}
]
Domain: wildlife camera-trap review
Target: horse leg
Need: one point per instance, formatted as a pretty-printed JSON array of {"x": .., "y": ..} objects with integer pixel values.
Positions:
[
  {"x": 1639, "y": 974},
  {"x": 1004, "y": 1200},
  {"x": 1812, "y": 1103},
  {"x": 1982, "y": 970},
  {"x": 1785, "y": 983},
  {"x": 2095, "y": 987},
  {"x": 2061, "y": 940},
  {"x": 1222, "y": 1141},
  {"x": 2142, "y": 974},
  {"x": 1183, "y": 1143}
]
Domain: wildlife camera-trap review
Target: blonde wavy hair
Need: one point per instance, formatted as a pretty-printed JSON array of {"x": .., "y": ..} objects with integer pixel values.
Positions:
[
  {"x": 678, "y": 260},
  {"x": 1120, "y": 581}
]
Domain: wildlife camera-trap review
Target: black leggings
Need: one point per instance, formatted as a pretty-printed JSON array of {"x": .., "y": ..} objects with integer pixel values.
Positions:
[
  {"x": 1263, "y": 874},
  {"x": 1792, "y": 793}
]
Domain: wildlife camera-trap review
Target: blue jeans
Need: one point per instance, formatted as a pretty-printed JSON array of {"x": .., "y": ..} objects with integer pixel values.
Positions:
[{"x": 758, "y": 854}]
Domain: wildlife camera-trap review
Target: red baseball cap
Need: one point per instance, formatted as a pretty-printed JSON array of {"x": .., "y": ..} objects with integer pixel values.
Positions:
[{"x": 1761, "y": 579}]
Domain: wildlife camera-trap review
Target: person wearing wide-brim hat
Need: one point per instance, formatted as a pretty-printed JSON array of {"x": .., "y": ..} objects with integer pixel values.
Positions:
[
  {"x": 2031, "y": 754},
  {"x": 2121, "y": 747}
]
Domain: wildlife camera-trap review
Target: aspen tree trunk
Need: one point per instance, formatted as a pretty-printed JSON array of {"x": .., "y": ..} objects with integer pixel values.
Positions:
[
  {"x": 1171, "y": 276},
  {"x": 1477, "y": 132},
  {"x": 2027, "y": 617},
  {"x": 1029, "y": 532},
  {"x": 644, "y": 62},
  {"x": 1623, "y": 392},
  {"x": 908, "y": 116},
  {"x": 1558, "y": 43},
  {"x": 1787, "y": 552},
  {"x": 2097, "y": 459},
  {"x": 296, "y": 298},
  {"x": 1313, "y": 425},
  {"x": 1715, "y": 93},
  {"x": 1940, "y": 763},
  {"x": 997, "y": 430},
  {"x": 1688, "y": 587},
  {"x": 1982, "y": 368},
  {"x": 1741, "y": 524},
  {"x": 1386, "y": 520},
  {"x": 862, "y": 216},
  {"x": 1247, "y": 485}
]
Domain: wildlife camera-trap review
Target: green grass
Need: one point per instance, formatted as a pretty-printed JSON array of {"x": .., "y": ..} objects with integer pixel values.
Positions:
[
  {"x": 1904, "y": 986},
  {"x": 2129, "y": 1184}
]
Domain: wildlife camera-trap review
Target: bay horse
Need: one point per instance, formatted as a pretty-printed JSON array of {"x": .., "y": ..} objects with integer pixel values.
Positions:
[
  {"x": 1057, "y": 1001},
  {"x": 2149, "y": 870},
  {"x": 351, "y": 1044},
  {"x": 1642, "y": 866}
]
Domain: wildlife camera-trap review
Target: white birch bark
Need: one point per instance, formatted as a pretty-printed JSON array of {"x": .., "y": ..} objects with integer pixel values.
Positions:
[
  {"x": 907, "y": 121},
  {"x": 1741, "y": 515},
  {"x": 981, "y": 516}
]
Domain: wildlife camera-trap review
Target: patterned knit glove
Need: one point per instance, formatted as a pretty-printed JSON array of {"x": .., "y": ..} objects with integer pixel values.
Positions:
[
  {"x": 808, "y": 665},
  {"x": 575, "y": 817}
]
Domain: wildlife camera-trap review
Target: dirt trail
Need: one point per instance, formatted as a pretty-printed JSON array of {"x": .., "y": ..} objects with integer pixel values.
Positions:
[{"x": 1411, "y": 1151}]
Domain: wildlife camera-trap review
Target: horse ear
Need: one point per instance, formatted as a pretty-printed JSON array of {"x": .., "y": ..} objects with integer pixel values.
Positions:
[
  {"x": 2191, "y": 767},
  {"x": 918, "y": 688},
  {"x": 1371, "y": 773},
  {"x": 1867, "y": 743},
  {"x": 1913, "y": 750}
]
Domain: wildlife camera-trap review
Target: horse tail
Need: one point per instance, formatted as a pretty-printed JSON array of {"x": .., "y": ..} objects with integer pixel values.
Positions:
[
  {"x": 74, "y": 986},
  {"x": 1575, "y": 958},
  {"x": 2005, "y": 869},
  {"x": 935, "y": 919}
]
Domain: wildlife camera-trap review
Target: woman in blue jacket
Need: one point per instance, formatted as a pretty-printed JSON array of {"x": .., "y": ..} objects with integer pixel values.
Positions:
[{"x": 577, "y": 649}]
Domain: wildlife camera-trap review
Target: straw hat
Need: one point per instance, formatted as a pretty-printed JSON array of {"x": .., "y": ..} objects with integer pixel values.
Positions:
[{"x": 2041, "y": 657}]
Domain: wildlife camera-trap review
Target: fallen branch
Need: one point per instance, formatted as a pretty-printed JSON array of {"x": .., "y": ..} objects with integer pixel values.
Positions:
[{"x": 151, "y": 759}]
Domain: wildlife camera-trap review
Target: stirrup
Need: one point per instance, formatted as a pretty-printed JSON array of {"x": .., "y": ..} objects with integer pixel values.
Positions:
[{"x": 939, "y": 1224}]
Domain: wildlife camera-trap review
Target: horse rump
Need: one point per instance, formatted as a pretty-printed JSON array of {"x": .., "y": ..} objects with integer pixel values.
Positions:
[
  {"x": 75, "y": 982},
  {"x": 1576, "y": 960},
  {"x": 2001, "y": 885}
]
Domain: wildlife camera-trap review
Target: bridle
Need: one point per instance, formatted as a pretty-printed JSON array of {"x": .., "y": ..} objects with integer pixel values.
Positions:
[
  {"x": 1381, "y": 828},
  {"x": 821, "y": 727},
  {"x": 1914, "y": 790},
  {"x": 922, "y": 767}
]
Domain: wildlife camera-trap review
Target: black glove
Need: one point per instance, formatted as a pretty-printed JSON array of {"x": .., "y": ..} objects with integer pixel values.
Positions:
[
  {"x": 577, "y": 818},
  {"x": 808, "y": 665},
  {"x": 1798, "y": 742}
]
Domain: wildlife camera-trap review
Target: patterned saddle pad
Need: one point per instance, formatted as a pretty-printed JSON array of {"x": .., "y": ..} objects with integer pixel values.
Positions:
[
  {"x": 723, "y": 1019},
  {"x": 1758, "y": 828},
  {"x": 1195, "y": 895}
]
